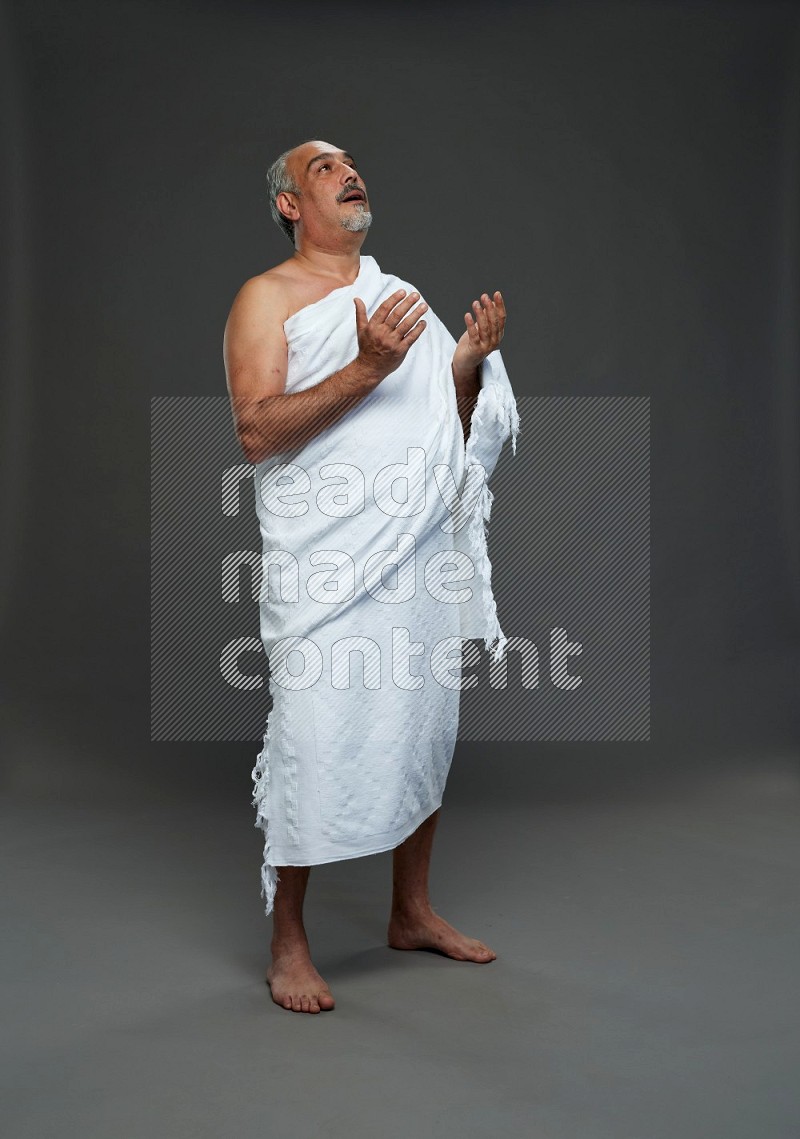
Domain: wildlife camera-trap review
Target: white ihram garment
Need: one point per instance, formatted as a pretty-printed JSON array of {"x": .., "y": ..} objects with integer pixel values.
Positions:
[{"x": 353, "y": 761}]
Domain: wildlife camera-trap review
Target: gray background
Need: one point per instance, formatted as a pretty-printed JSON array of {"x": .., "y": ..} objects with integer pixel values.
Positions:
[{"x": 627, "y": 174}]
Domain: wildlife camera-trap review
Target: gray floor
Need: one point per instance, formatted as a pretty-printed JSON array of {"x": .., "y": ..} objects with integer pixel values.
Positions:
[{"x": 644, "y": 911}]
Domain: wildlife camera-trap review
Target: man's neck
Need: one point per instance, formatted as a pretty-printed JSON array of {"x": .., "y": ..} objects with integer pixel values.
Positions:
[{"x": 338, "y": 264}]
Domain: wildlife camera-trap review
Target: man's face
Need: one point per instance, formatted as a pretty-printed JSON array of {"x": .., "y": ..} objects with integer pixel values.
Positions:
[{"x": 333, "y": 194}]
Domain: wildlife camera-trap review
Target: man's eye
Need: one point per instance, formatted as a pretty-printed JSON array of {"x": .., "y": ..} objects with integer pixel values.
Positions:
[{"x": 323, "y": 166}]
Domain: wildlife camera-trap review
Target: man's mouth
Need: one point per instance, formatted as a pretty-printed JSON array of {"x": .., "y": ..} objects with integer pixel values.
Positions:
[{"x": 355, "y": 196}]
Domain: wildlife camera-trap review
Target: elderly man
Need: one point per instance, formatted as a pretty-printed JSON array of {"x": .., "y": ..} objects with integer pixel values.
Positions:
[{"x": 345, "y": 388}]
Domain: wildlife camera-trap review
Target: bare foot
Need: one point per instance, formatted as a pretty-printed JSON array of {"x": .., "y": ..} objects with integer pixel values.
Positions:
[
  {"x": 296, "y": 984},
  {"x": 429, "y": 931}
]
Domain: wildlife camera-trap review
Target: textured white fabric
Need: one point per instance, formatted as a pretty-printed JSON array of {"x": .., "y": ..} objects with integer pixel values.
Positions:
[{"x": 355, "y": 758}]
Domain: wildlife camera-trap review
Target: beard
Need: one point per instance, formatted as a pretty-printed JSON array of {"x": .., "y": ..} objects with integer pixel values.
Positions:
[{"x": 357, "y": 219}]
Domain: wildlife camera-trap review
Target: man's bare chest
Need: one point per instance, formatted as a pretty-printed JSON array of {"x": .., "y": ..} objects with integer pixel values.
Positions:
[{"x": 301, "y": 293}]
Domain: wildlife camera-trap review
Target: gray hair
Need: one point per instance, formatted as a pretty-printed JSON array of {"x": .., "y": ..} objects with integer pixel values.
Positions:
[{"x": 279, "y": 181}]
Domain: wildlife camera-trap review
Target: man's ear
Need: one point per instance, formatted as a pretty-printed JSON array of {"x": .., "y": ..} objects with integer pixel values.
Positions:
[{"x": 292, "y": 214}]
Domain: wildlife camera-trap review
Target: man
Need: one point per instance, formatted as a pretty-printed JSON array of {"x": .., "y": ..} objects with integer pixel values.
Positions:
[{"x": 338, "y": 381}]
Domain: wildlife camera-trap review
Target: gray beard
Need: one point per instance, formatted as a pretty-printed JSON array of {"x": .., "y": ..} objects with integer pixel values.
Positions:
[{"x": 357, "y": 219}]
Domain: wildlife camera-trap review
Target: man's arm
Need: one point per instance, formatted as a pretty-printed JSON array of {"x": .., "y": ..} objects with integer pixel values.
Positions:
[
  {"x": 467, "y": 381},
  {"x": 483, "y": 335},
  {"x": 268, "y": 421}
]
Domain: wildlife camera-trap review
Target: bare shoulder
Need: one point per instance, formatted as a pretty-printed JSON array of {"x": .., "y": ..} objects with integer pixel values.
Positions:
[
  {"x": 255, "y": 351},
  {"x": 267, "y": 295}
]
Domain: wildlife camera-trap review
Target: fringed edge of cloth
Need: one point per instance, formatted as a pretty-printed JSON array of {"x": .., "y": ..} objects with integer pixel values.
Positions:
[
  {"x": 495, "y": 403},
  {"x": 261, "y": 780}
]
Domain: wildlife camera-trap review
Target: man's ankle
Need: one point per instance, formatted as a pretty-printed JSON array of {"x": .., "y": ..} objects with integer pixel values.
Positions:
[
  {"x": 289, "y": 941},
  {"x": 409, "y": 910}
]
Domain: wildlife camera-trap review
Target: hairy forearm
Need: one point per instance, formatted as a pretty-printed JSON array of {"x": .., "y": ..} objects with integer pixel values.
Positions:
[
  {"x": 286, "y": 422},
  {"x": 468, "y": 385}
]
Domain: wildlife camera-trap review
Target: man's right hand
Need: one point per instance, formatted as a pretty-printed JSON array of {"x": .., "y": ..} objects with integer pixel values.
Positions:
[{"x": 385, "y": 338}]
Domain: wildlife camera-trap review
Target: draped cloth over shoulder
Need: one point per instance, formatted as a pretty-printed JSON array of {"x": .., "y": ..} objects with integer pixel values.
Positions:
[{"x": 372, "y": 573}]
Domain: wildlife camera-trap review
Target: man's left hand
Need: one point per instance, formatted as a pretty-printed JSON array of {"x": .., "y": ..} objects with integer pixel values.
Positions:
[{"x": 484, "y": 333}]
